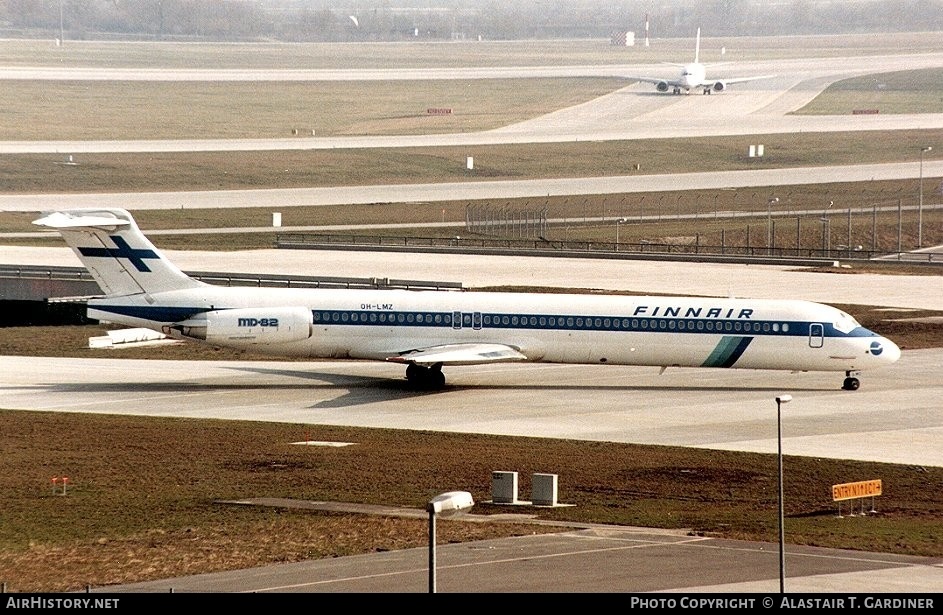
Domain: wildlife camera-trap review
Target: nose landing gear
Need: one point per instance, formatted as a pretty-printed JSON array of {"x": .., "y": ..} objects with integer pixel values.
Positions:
[{"x": 851, "y": 383}]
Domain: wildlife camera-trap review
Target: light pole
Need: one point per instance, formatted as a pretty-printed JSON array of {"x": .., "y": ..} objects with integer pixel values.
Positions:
[
  {"x": 826, "y": 231},
  {"x": 61, "y": 30},
  {"x": 619, "y": 222},
  {"x": 769, "y": 224},
  {"x": 444, "y": 504},
  {"x": 780, "y": 400},
  {"x": 923, "y": 150}
]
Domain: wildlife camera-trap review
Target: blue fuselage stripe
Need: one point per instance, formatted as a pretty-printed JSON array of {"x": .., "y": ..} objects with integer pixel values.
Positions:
[
  {"x": 559, "y": 322},
  {"x": 735, "y": 329}
]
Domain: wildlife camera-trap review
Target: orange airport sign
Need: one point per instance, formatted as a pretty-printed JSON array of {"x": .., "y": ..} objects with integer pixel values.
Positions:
[{"x": 862, "y": 489}]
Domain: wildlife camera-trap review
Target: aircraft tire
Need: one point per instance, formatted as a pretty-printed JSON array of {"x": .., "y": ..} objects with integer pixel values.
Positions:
[{"x": 424, "y": 378}]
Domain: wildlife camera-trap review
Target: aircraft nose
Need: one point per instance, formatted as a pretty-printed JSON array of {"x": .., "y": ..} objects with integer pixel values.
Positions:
[{"x": 884, "y": 350}]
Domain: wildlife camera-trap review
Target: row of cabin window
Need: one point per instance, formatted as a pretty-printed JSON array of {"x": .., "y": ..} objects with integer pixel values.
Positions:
[{"x": 556, "y": 321}]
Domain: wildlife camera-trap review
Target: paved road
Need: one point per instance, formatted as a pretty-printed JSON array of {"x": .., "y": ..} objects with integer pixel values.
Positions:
[{"x": 595, "y": 559}]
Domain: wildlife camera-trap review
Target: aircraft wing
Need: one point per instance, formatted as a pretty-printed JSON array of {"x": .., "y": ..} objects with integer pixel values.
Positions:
[
  {"x": 663, "y": 85},
  {"x": 459, "y": 354},
  {"x": 741, "y": 79},
  {"x": 657, "y": 80}
]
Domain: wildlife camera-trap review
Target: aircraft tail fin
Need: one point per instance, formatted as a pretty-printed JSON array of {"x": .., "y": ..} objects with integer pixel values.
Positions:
[
  {"x": 697, "y": 46},
  {"x": 115, "y": 251}
]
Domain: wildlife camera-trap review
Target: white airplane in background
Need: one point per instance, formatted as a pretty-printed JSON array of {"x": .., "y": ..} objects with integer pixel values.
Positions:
[
  {"x": 693, "y": 76},
  {"x": 429, "y": 329}
]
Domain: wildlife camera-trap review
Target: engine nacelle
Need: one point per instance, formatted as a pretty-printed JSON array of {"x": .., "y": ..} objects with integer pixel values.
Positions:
[
  {"x": 246, "y": 326},
  {"x": 720, "y": 86},
  {"x": 661, "y": 86}
]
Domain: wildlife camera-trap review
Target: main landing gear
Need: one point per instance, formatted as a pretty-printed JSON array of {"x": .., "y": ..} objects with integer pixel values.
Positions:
[
  {"x": 851, "y": 383},
  {"x": 425, "y": 378}
]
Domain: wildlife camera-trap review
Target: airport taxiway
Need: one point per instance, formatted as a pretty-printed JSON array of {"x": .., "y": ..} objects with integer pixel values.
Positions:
[{"x": 893, "y": 418}]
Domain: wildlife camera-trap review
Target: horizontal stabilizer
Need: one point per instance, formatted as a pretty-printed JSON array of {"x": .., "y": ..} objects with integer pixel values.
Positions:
[
  {"x": 460, "y": 354},
  {"x": 128, "y": 338},
  {"x": 65, "y": 220}
]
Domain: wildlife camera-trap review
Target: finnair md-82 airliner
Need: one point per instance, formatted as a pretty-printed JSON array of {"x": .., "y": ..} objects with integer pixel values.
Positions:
[
  {"x": 427, "y": 330},
  {"x": 693, "y": 76}
]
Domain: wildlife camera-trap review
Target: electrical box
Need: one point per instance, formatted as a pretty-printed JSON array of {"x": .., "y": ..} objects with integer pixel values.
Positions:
[
  {"x": 544, "y": 490},
  {"x": 504, "y": 487}
]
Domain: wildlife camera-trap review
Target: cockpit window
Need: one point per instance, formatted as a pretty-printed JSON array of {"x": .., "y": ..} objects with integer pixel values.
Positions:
[{"x": 845, "y": 323}]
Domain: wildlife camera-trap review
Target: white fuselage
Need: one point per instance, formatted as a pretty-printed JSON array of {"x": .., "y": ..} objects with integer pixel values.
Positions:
[
  {"x": 692, "y": 76},
  {"x": 559, "y": 328}
]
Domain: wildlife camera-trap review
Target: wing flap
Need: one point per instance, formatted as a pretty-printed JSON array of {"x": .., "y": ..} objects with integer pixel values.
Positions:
[{"x": 459, "y": 354}]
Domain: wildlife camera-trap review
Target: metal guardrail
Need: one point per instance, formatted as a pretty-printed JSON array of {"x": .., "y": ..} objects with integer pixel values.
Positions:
[
  {"x": 293, "y": 281},
  {"x": 45, "y": 273},
  {"x": 71, "y": 279}
]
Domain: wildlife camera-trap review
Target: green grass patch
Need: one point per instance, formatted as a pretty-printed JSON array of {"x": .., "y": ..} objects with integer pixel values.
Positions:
[{"x": 912, "y": 91}]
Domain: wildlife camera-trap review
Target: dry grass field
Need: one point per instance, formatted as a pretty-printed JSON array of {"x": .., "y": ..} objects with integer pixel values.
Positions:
[
  {"x": 73, "y": 110},
  {"x": 146, "y": 172}
]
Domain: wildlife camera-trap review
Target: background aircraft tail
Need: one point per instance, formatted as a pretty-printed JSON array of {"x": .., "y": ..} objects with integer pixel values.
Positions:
[
  {"x": 697, "y": 46},
  {"x": 115, "y": 251}
]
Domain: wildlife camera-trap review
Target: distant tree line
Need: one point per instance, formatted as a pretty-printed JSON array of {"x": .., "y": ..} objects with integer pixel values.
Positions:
[{"x": 384, "y": 20}]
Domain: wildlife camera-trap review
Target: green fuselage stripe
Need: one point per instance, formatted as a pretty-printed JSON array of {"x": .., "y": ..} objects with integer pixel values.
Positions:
[{"x": 727, "y": 351}]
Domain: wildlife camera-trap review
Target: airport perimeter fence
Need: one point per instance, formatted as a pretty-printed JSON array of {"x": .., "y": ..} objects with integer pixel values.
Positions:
[{"x": 544, "y": 247}]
